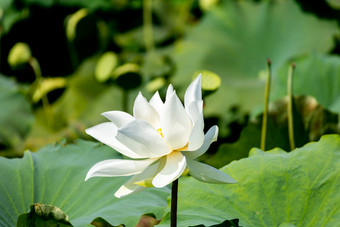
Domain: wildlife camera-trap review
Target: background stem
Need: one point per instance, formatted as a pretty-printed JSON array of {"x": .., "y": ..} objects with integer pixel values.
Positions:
[
  {"x": 147, "y": 25},
  {"x": 174, "y": 195},
  {"x": 290, "y": 107},
  {"x": 265, "y": 111},
  {"x": 39, "y": 78}
]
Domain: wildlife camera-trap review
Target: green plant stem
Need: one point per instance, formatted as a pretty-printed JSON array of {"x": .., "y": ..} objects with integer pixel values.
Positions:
[
  {"x": 290, "y": 106},
  {"x": 147, "y": 25},
  {"x": 174, "y": 195},
  {"x": 46, "y": 105},
  {"x": 265, "y": 111}
]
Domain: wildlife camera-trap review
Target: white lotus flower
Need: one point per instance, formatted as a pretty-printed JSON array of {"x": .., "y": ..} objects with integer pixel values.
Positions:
[{"x": 163, "y": 139}]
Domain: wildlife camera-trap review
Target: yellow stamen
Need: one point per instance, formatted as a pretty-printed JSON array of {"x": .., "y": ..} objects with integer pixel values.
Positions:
[
  {"x": 145, "y": 183},
  {"x": 160, "y": 132},
  {"x": 183, "y": 148},
  {"x": 186, "y": 172}
]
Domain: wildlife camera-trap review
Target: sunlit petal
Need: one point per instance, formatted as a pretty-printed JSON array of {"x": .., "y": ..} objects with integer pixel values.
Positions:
[
  {"x": 209, "y": 137},
  {"x": 157, "y": 102},
  {"x": 173, "y": 168},
  {"x": 197, "y": 134},
  {"x": 106, "y": 133},
  {"x": 132, "y": 186},
  {"x": 118, "y": 167},
  {"x": 193, "y": 92},
  {"x": 119, "y": 118},
  {"x": 175, "y": 123},
  {"x": 143, "y": 110},
  {"x": 169, "y": 92},
  {"x": 195, "y": 110},
  {"x": 141, "y": 137},
  {"x": 148, "y": 173},
  {"x": 128, "y": 189},
  {"x": 207, "y": 173}
]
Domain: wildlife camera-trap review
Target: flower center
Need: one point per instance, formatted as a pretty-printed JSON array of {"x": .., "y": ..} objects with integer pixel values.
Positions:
[
  {"x": 180, "y": 149},
  {"x": 183, "y": 148}
]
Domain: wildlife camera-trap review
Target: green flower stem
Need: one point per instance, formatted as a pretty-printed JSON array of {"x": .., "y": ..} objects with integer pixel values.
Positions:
[
  {"x": 174, "y": 195},
  {"x": 290, "y": 106},
  {"x": 265, "y": 111},
  {"x": 38, "y": 76},
  {"x": 147, "y": 26}
]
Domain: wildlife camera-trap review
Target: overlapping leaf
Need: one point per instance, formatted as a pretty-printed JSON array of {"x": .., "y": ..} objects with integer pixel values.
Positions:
[
  {"x": 317, "y": 75},
  {"x": 16, "y": 117},
  {"x": 235, "y": 39},
  {"x": 55, "y": 176},
  {"x": 78, "y": 107},
  {"x": 311, "y": 121},
  {"x": 101, "y": 4},
  {"x": 275, "y": 187}
]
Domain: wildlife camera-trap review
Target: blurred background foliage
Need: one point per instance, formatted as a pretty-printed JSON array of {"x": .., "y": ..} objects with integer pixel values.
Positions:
[{"x": 63, "y": 62}]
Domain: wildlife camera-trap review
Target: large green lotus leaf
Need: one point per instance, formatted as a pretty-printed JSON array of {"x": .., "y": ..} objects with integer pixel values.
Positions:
[
  {"x": 235, "y": 39},
  {"x": 55, "y": 176},
  {"x": 317, "y": 75},
  {"x": 275, "y": 187},
  {"x": 16, "y": 117}
]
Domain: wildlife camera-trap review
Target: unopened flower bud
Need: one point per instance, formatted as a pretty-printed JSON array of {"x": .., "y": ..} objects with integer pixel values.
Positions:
[{"x": 19, "y": 54}]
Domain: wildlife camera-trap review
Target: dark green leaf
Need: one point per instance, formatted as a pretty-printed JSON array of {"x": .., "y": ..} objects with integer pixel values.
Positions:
[
  {"x": 16, "y": 116},
  {"x": 317, "y": 75},
  {"x": 311, "y": 121},
  {"x": 235, "y": 39}
]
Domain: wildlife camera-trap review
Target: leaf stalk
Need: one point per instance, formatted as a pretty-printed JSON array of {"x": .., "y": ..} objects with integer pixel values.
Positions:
[
  {"x": 147, "y": 25},
  {"x": 265, "y": 111},
  {"x": 290, "y": 106}
]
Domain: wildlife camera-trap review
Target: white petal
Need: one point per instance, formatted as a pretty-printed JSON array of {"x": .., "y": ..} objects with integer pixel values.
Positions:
[
  {"x": 118, "y": 167},
  {"x": 141, "y": 137},
  {"x": 130, "y": 186},
  {"x": 119, "y": 118},
  {"x": 174, "y": 167},
  {"x": 169, "y": 92},
  {"x": 207, "y": 173},
  {"x": 106, "y": 133},
  {"x": 197, "y": 134},
  {"x": 157, "y": 102},
  {"x": 143, "y": 110},
  {"x": 209, "y": 137},
  {"x": 193, "y": 92},
  {"x": 175, "y": 123},
  {"x": 149, "y": 172},
  {"x": 128, "y": 189},
  {"x": 195, "y": 110}
]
